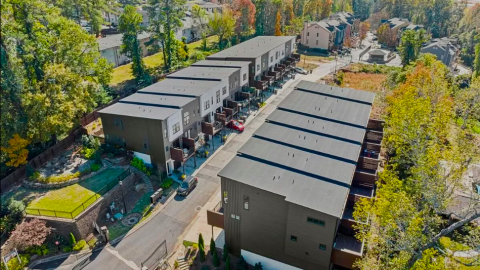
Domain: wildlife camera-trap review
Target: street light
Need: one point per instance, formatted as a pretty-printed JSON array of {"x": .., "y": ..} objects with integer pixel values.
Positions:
[{"x": 123, "y": 197}]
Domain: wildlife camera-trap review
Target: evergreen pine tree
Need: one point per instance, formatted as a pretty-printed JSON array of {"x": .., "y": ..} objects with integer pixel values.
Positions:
[
  {"x": 216, "y": 261},
  {"x": 212, "y": 247},
  {"x": 73, "y": 242},
  {"x": 225, "y": 253},
  {"x": 201, "y": 248},
  {"x": 227, "y": 263}
]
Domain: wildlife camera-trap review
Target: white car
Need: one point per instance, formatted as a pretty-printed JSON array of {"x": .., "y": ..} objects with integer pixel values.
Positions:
[{"x": 301, "y": 70}]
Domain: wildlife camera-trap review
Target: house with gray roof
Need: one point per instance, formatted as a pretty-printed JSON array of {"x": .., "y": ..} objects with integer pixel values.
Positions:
[
  {"x": 445, "y": 50},
  {"x": 109, "y": 48},
  {"x": 287, "y": 197}
]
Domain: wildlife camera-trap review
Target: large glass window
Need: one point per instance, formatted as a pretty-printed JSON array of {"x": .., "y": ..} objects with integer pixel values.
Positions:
[
  {"x": 218, "y": 96},
  {"x": 315, "y": 221},
  {"x": 246, "y": 202},
  {"x": 186, "y": 118}
]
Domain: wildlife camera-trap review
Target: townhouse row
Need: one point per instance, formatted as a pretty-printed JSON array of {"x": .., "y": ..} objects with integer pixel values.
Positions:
[
  {"x": 166, "y": 123},
  {"x": 288, "y": 196}
]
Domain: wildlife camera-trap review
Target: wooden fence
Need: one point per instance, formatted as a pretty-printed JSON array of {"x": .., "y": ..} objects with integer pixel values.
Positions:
[{"x": 17, "y": 175}]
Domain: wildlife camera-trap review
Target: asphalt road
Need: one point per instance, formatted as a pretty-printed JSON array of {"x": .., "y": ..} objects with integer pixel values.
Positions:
[{"x": 174, "y": 218}]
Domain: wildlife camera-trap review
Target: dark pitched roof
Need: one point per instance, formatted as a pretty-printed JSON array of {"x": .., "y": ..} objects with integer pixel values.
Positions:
[
  {"x": 308, "y": 148},
  {"x": 180, "y": 87},
  {"x": 252, "y": 48},
  {"x": 203, "y": 73}
]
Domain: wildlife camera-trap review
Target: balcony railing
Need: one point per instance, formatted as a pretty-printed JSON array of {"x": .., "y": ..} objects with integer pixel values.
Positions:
[
  {"x": 268, "y": 79},
  {"x": 346, "y": 250},
  {"x": 275, "y": 74},
  {"x": 211, "y": 128},
  {"x": 215, "y": 216},
  {"x": 261, "y": 85}
]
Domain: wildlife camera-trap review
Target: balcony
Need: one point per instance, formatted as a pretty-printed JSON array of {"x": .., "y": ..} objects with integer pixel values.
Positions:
[
  {"x": 215, "y": 216},
  {"x": 296, "y": 56},
  {"x": 362, "y": 177},
  {"x": 346, "y": 250},
  {"x": 274, "y": 74},
  {"x": 211, "y": 128},
  {"x": 260, "y": 85},
  {"x": 230, "y": 107},
  {"x": 184, "y": 151},
  {"x": 268, "y": 79},
  {"x": 280, "y": 70},
  {"x": 360, "y": 191}
]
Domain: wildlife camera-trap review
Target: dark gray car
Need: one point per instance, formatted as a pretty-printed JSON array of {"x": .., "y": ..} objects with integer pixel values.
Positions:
[{"x": 187, "y": 186}]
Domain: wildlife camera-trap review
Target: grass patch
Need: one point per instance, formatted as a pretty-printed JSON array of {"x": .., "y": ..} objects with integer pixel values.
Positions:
[
  {"x": 143, "y": 204},
  {"x": 312, "y": 56},
  {"x": 375, "y": 69},
  {"x": 117, "y": 230},
  {"x": 307, "y": 66},
  {"x": 472, "y": 125},
  {"x": 364, "y": 81},
  {"x": 70, "y": 201},
  {"x": 124, "y": 73}
]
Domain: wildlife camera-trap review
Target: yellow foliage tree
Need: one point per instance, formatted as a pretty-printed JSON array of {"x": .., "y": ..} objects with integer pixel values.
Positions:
[
  {"x": 278, "y": 30},
  {"x": 326, "y": 8},
  {"x": 16, "y": 151}
]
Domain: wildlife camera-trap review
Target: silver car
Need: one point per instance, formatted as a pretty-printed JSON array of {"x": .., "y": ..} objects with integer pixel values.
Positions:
[{"x": 301, "y": 70}]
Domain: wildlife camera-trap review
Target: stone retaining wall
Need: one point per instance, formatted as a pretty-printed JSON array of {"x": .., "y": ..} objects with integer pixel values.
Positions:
[{"x": 36, "y": 185}]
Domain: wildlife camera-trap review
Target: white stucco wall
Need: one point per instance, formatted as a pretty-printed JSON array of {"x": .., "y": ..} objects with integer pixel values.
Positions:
[
  {"x": 268, "y": 264},
  {"x": 212, "y": 94},
  {"x": 315, "y": 33},
  {"x": 142, "y": 156}
]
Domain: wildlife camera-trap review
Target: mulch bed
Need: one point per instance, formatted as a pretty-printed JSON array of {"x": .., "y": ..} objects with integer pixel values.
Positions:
[{"x": 197, "y": 264}]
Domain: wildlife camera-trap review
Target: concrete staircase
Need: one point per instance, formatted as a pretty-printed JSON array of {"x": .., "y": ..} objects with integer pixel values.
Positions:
[
  {"x": 183, "y": 265},
  {"x": 144, "y": 177}
]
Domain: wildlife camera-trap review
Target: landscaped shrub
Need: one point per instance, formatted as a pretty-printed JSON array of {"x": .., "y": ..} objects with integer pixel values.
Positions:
[
  {"x": 88, "y": 141},
  {"x": 205, "y": 267},
  {"x": 13, "y": 264},
  {"x": 166, "y": 183},
  {"x": 89, "y": 153},
  {"x": 11, "y": 214},
  {"x": 201, "y": 248},
  {"x": 38, "y": 250},
  {"x": 73, "y": 242},
  {"x": 215, "y": 261},
  {"x": 80, "y": 245},
  {"x": 92, "y": 242},
  {"x": 95, "y": 167},
  {"x": 212, "y": 246},
  {"x": 227, "y": 263},
  {"x": 225, "y": 253},
  {"x": 241, "y": 263},
  {"x": 67, "y": 249},
  {"x": 340, "y": 77},
  {"x": 140, "y": 164}
]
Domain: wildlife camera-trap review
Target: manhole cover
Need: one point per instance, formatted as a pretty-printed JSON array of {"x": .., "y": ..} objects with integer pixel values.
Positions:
[
  {"x": 198, "y": 208},
  {"x": 131, "y": 219}
]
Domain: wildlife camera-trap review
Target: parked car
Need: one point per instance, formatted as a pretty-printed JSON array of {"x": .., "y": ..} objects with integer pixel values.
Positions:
[
  {"x": 187, "y": 185},
  {"x": 301, "y": 70},
  {"x": 236, "y": 125}
]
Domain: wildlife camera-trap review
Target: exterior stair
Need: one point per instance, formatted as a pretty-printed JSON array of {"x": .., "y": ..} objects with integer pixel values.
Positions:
[
  {"x": 144, "y": 177},
  {"x": 183, "y": 265}
]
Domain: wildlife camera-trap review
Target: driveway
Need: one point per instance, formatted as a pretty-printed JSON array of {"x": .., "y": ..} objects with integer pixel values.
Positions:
[{"x": 172, "y": 221}]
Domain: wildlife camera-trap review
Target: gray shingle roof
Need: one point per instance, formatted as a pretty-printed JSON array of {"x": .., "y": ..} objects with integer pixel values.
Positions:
[
  {"x": 219, "y": 63},
  {"x": 308, "y": 148},
  {"x": 174, "y": 102},
  {"x": 180, "y": 87},
  {"x": 252, "y": 48}
]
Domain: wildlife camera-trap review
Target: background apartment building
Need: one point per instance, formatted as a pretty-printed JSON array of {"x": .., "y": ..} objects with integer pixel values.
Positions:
[{"x": 288, "y": 195}]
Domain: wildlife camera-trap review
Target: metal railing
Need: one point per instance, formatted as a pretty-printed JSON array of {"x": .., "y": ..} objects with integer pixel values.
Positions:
[{"x": 72, "y": 214}]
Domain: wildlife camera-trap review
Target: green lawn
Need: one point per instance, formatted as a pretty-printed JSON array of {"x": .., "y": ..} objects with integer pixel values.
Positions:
[
  {"x": 68, "y": 200},
  {"x": 124, "y": 73}
]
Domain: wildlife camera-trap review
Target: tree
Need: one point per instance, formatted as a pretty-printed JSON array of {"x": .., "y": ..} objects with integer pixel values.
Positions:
[
  {"x": 29, "y": 233},
  {"x": 289, "y": 15},
  {"x": 386, "y": 36},
  {"x": 223, "y": 25},
  {"x": 241, "y": 263},
  {"x": 326, "y": 9},
  {"x": 225, "y": 252},
  {"x": 215, "y": 260},
  {"x": 227, "y": 263},
  {"x": 294, "y": 28},
  {"x": 201, "y": 247},
  {"x": 165, "y": 19},
  {"x": 364, "y": 28},
  {"x": 129, "y": 24},
  {"x": 244, "y": 13},
  {"x": 258, "y": 266},
  {"x": 265, "y": 17},
  {"x": 362, "y": 8},
  {"x": 411, "y": 44},
  {"x": 125, "y": 3},
  {"x": 476, "y": 63},
  {"x": 278, "y": 30},
  {"x": 212, "y": 246},
  {"x": 425, "y": 163},
  {"x": 200, "y": 19},
  {"x": 16, "y": 152},
  {"x": 468, "y": 102},
  {"x": 73, "y": 242},
  {"x": 58, "y": 65}
]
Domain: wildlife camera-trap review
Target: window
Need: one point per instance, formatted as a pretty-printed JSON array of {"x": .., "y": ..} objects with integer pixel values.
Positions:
[
  {"x": 271, "y": 58},
  {"x": 218, "y": 96},
  {"x": 258, "y": 67},
  {"x": 293, "y": 238},
  {"x": 246, "y": 201},
  {"x": 322, "y": 247},
  {"x": 116, "y": 123},
  {"x": 263, "y": 63},
  {"x": 307, "y": 41},
  {"x": 244, "y": 76},
  {"x": 212, "y": 100},
  {"x": 186, "y": 118},
  {"x": 224, "y": 90},
  {"x": 253, "y": 70},
  {"x": 207, "y": 105},
  {"x": 317, "y": 34},
  {"x": 276, "y": 55},
  {"x": 194, "y": 115},
  {"x": 308, "y": 34},
  {"x": 315, "y": 221},
  {"x": 176, "y": 128},
  {"x": 165, "y": 133},
  {"x": 166, "y": 148},
  {"x": 283, "y": 53},
  {"x": 317, "y": 42},
  {"x": 144, "y": 145}
]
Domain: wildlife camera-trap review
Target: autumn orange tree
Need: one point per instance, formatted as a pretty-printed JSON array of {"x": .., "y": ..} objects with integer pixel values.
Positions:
[
  {"x": 364, "y": 28},
  {"x": 278, "y": 22},
  {"x": 326, "y": 8},
  {"x": 16, "y": 151},
  {"x": 244, "y": 13}
]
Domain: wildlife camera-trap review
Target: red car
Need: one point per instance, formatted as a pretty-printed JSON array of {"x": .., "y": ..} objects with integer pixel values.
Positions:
[{"x": 236, "y": 125}]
